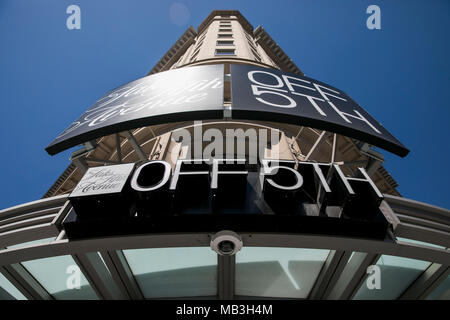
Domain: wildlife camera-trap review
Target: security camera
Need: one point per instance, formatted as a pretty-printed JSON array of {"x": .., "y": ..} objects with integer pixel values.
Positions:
[{"x": 226, "y": 243}]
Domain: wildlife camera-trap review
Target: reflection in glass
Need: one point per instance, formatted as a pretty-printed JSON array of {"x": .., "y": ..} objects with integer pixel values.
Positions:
[
  {"x": 55, "y": 275},
  {"x": 174, "y": 272},
  {"x": 442, "y": 292},
  {"x": 277, "y": 272},
  {"x": 420, "y": 243},
  {"x": 396, "y": 275},
  {"x": 8, "y": 291}
]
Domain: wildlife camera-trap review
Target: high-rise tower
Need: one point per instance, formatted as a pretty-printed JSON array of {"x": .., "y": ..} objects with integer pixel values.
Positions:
[
  {"x": 226, "y": 37},
  {"x": 225, "y": 145}
]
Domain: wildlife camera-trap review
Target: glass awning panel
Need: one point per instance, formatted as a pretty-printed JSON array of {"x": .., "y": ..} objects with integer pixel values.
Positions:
[
  {"x": 174, "y": 272},
  {"x": 441, "y": 292},
  {"x": 8, "y": 291},
  {"x": 56, "y": 274},
  {"x": 30, "y": 243},
  {"x": 278, "y": 272},
  {"x": 396, "y": 275}
]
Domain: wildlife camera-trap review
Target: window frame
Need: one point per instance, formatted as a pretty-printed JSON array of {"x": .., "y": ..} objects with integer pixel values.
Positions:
[
  {"x": 223, "y": 52},
  {"x": 230, "y": 43}
]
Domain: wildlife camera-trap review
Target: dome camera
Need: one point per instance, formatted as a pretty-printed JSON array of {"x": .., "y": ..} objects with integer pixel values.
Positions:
[{"x": 226, "y": 243}]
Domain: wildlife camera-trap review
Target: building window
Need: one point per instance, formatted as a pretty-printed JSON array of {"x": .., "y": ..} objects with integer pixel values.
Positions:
[
  {"x": 225, "y": 30},
  {"x": 225, "y": 35},
  {"x": 225, "y": 42},
  {"x": 225, "y": 52}
]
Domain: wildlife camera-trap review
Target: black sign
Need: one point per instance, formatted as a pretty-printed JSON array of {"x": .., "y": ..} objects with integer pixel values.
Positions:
[
  {"x": 273, "y": 95},
  {"x": 217, "y": 194},
  {"x": 194, "y": 93}
]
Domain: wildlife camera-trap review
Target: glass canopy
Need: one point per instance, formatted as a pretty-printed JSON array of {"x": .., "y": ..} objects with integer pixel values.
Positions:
[
  {"x": 396, "y": 275},
  {"x": 277, "y": 272},
  {"x": 8, "y": 291},
  {"x": 192, "y": 272},
  {"x": 174, "y": 272},
  {"x": 442, "y": 292},
  {"x": 53, "y": 274}
]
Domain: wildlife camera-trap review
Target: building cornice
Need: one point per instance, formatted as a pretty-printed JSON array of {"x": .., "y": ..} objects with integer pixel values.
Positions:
[
  {"x": 275, "y": 52},
  {"x": 244, "y": 23},
  {"x": 175, "y": 52}
]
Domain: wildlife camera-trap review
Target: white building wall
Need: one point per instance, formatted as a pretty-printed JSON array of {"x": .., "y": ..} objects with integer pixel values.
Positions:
[{"x": 206, "y": 45}]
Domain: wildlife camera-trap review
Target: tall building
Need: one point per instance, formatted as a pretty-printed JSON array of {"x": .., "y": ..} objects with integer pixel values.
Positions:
[{"x": 225, "y": 173}]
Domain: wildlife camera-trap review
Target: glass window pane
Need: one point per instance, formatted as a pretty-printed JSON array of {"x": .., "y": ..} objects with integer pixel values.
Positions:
[
  {"x": 29, "y": 243},
  {"x": 420, "y": 242},
  {"x": 442, "y": 292},
  {"x": 54, "y": 274},
  {"x": 225, "y": 42},
  {"x": 224, "y": 52},
  {"x": 396, "y": 275},
  {"x": 277, "y": 272},
  {"x": 174, "y": 272},
  {"x": 8, "y": 291}
]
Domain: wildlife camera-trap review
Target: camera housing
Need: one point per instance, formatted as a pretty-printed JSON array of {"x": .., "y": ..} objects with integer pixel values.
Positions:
[{"x": 226, "y": 243}]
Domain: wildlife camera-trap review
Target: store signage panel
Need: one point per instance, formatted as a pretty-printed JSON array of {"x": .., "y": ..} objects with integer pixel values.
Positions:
[
  {"x": 274, "y": 95},
  {"x": 103, "y": 180},
  {"x": 227, "y": 192},
  {"x": 194, "y": 93}
]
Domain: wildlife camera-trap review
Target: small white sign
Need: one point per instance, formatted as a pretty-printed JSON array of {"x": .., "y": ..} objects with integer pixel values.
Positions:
[{"x": 103, "y": 180}]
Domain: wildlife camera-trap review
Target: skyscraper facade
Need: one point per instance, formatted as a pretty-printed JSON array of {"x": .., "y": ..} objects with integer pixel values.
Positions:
[{"x": 225, "y": 173}]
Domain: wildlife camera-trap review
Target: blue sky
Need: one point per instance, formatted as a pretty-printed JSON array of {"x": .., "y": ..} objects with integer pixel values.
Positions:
[{"x": 49, "y": 75}]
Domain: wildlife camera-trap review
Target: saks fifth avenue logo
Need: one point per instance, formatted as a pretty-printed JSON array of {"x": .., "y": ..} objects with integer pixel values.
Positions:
[
  {"x": 102, "y": 180},
  {"x": 145, "y": 95}
]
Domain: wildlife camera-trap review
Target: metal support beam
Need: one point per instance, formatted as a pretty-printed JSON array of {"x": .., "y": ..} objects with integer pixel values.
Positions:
[
  {"x": 61, "y": 236},
  {"x": 98, "y": 275},
  {"x": 330, "y": 273},
  {"x": 352, "y": 276},
  {"x": 226, "y": 276},
  {"x": 25, "y": 282},
  {"x": 435, "y": 284},
  {"x": 17, "y": 285},
  {"x": 334, "y": 150},
  {"x": 137, "y": 148},
  {"x": 299, "y": 132},
  {"x": 315, "y": 148},
  {"x": 373, "y": 166},
  {"x": 119, "y": 149},
  {"x": 90, "y": 159},
  {"x": 4, "y": 295},
  {"x": 153, "y": 132},
  {"x": 121, "y": 274},
  {"x": 81, "y": 164},
  {"x": 389, "y": 214},
  {"x": 426, "y": 282},
  {"x": 62, "y": 213}
]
